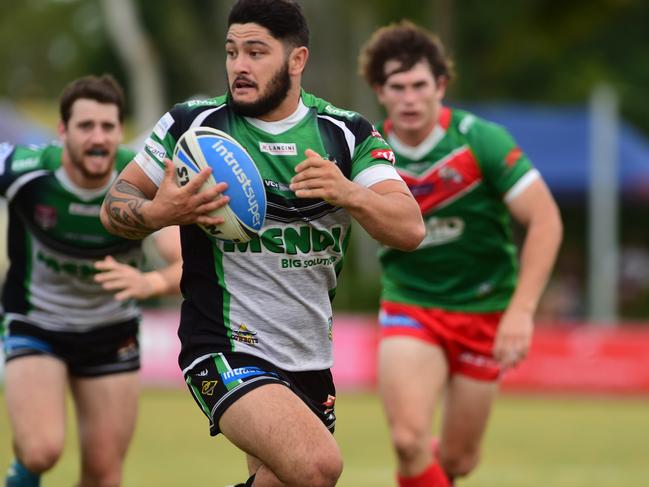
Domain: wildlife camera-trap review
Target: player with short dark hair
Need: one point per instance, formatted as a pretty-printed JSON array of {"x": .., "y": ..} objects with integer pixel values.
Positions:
[
  {"x": 457, "y": 310},
  {"x": 68, "y": 300},
  {"x": 256, "y": 323}
]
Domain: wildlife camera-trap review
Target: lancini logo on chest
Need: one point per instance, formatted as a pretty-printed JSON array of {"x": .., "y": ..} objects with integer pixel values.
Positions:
[{"x": 278, "y": 148}]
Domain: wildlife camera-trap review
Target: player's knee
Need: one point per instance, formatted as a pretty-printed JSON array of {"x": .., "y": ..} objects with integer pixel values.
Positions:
[
  {"x": 101, "y": 473},
  {"x": 408, "y": 443},
  {"x": 459, "y": 464},
  {"x": 40, "y": 456},
  {"x": 103, "y": 478},
  {"x": 323, "y": 471}
]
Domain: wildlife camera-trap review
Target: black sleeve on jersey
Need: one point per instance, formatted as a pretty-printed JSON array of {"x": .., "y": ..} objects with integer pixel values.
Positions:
[
  {"x": 7, "y": 152},
  {"x": 184, "y": 116},
  {"x": 335, "y": 144}
]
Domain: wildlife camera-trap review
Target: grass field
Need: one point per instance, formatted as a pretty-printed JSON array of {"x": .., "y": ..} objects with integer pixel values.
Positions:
[{"x": 533, "y": 441}]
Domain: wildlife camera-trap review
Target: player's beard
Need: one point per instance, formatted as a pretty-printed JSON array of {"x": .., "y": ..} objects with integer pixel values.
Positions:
[
  {"x": 77, "y": 156},
  {"x": 275, "y": 94}
]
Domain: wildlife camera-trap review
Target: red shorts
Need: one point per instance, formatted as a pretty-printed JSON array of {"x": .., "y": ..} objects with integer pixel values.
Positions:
[{"x": 467, "y": 339}]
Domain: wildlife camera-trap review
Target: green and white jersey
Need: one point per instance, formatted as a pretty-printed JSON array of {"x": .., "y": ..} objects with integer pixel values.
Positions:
[
  {"x": 54, "y": 238},
  {"x": 271, "y": 297},
  {"x": 462, "y": 176}
]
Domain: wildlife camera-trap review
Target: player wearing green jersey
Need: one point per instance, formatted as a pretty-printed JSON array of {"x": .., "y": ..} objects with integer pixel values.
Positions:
[
  {"x": 457, "y": 310},
  {"x": 69, "y": 316},
  {"x": 256, "y": 323}
]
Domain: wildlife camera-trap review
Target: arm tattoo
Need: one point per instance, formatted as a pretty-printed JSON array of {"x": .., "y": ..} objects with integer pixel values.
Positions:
[{"x": 124, "y": 204}]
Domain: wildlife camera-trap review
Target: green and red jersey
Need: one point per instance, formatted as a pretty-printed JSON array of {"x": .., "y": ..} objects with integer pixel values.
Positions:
[{"x": 462, "y": 176}]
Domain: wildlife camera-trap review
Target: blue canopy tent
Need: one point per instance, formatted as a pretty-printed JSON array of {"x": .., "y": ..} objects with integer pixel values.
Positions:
[
  {"x": 557, "y": 141},
  {"x": 16, "y": 129}
]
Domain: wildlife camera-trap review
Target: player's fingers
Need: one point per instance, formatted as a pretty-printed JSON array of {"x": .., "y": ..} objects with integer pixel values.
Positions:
[
  {"x": 212, "y": 205},
  {"x": 107, "y": 263},
  {"x": 107, "y": 267},
  {"x": 312, "y": 172},
  {"x": 308, "y": 193},
  {"x": 312, "y": 159},
  {"x": 210, "y": 220},
  {"x": 124, "y": 295},
  {"x": 211, "y": 194},
  {"x": 115, "y": 271},
  {"x": 169, "y": 170},
  {"x": 114, "y": 284},
  {"x": 311, "y": 153},
  {"x": 194, "y": 184}
]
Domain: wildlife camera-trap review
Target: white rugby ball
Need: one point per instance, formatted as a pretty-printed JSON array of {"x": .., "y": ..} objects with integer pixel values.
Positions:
[{"x": 202, "y": 147}]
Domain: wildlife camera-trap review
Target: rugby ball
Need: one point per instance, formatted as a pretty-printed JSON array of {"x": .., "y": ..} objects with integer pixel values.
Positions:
[{"x": 202, "y": 147}]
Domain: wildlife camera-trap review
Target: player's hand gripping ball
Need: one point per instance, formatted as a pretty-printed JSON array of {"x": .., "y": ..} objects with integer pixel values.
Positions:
[{"x": 244, "y": 215}]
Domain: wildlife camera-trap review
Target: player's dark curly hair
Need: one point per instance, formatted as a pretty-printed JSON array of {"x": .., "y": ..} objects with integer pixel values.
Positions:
[
  {"x": 404, "y": 42},
  {"x": 283, "y": 18},
  {"x": 102, "y": 89}
]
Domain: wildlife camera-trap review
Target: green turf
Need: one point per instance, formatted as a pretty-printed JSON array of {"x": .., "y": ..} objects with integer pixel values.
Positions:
[{"x": 532, "y": 442}]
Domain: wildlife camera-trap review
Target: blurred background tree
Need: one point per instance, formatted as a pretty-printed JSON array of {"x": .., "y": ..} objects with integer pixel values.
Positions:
[{"x": 543, "y": 51}]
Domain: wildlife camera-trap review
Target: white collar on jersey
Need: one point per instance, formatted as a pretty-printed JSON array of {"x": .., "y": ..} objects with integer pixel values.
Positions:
[
  {"x": 419, "y": 151},
  {"x": 83, "y": 193},
  {"x": 280, "y": 126}
]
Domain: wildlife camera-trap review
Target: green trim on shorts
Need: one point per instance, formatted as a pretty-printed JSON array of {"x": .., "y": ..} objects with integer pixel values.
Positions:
[
  {"x": 223, "y": 366},
  {"x": 199, "y": 398}
]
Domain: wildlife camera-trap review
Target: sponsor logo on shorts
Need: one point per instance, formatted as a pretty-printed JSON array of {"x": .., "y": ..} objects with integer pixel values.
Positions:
[
  {"x": 208, "y": 386},
  {"x": 278, "y": 149},
  {"x": 329, "y": 408},
  {"x": 478, "y": 360},
  {"x": 329, "y": 403},
  {"x": 244, "y": 335},
  {"x": 397, "y": 321},
  {"x": 163, "y": 125},
  {"x": 241, "y": 373},
  {"x": 127, "y": 350}
]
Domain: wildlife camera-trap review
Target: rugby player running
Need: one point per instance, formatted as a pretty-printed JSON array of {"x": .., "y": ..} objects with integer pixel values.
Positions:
[
  {"x": 457, "y": 312},
  {"x": 256, "y": 332},
  {"x": 70, "y": 316}
]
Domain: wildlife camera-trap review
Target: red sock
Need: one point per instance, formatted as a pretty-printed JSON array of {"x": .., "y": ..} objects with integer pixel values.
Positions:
[{"x": 433, "y": 476}]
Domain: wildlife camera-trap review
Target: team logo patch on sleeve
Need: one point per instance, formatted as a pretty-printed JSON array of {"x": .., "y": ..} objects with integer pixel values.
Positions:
[
  {"x": 377, "y": 135},
  {"x": 386, "y": 154},
  {"x": 163, "y": 125},
  {"x": 155, "y": 149},
  {"x": 513, "y": 156}
]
